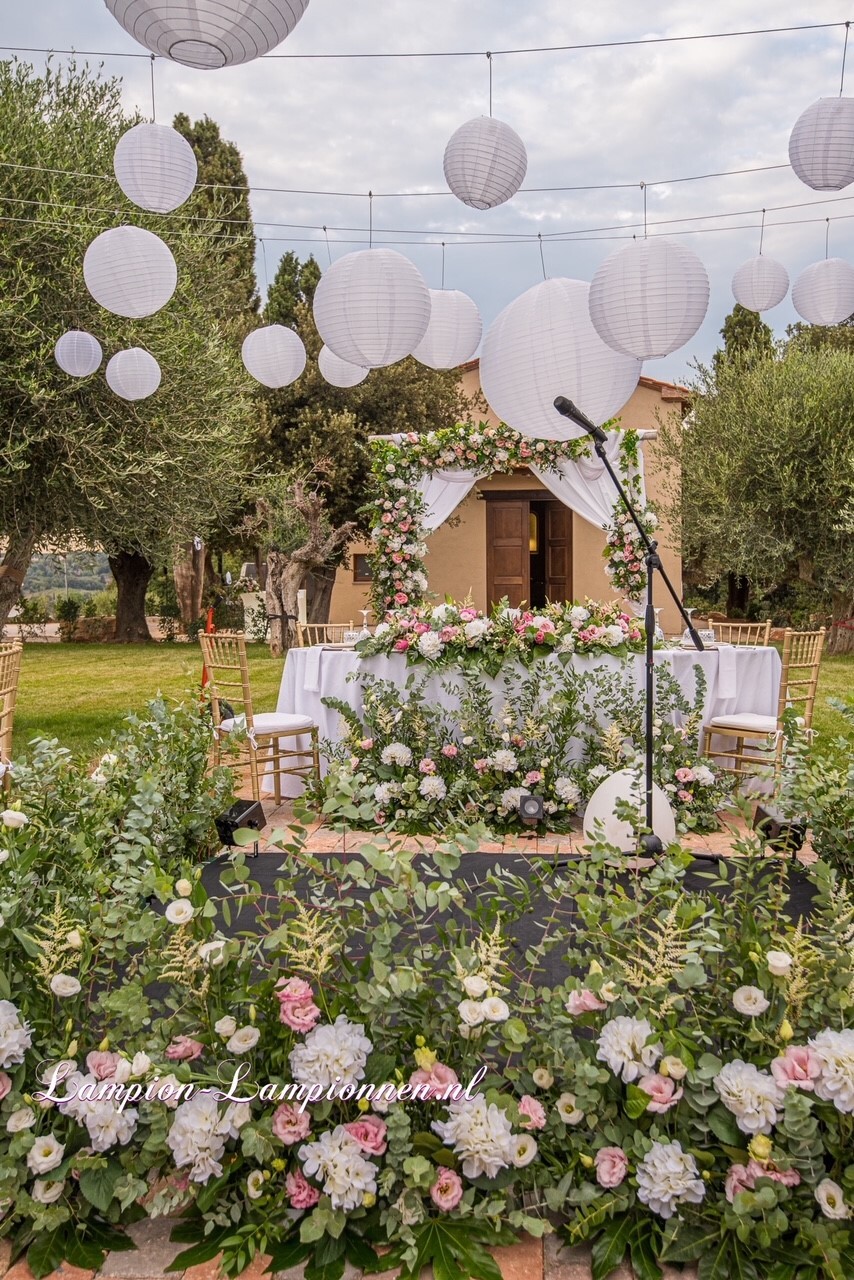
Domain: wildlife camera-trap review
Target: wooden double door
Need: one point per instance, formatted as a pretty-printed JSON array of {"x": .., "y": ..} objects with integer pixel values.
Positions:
[{"x": 528, "y": 549}]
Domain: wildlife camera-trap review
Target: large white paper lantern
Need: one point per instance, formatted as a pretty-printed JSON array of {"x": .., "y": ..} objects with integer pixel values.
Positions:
[
  {"x": 208, "y": 33},
  {"x": 78, "y": 353},
  {"x": 485, "y": 162},
  {"x": 626, "y": 787},
  {"x": 543, "y": 345},
  {"x": 130, "y": 272},
  {"x": 824, "y": 292},
  {"x": 372, "y": 307},
  {"x": 338, "y": 372},
  {"x": 155, "y": 167},
  {"x": 649, "y": 298},
  {"x": 821, "y": 145},
  {"x": 760, "y": 283},
  {"x": 133, "y": 374},
  {"x": 274, "y": 355},
  {"x": 453, "y": 332}
]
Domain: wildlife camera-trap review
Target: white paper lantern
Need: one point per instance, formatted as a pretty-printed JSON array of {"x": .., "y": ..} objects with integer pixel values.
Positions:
[
  {"x": 155, "y": 167},
  {"x": 274, "y": 355},
  {"x": 453, "y": 332},
  {"x": 760, "y": 283},
  {"x": 601, "y": 821},
  {"x": 821, "y": 145},
  {"x": 649, "y": 298},
  {"x": 130, "y": 272},
  {"x": 78, "y": 353},
  {"x": 372, "y": 308},
  {"x": 485, "y": 162},
  {"x": 338, "y": 372},
  {"x": 133, "y": 374},
  {"x": 208, "y": 33},
  {"x": 824, "y": 292},
  {"x": 543, "y": 345}
]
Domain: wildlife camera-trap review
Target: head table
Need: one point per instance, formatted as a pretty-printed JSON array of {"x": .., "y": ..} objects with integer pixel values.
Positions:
[{"x": 738, "y": 678}]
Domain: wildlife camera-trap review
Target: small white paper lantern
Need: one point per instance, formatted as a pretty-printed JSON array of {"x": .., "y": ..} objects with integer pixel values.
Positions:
[
  {"x": 626, "y": 786},
  {"x": 821, "y": 145},
  {"x": 760, "y": 283},
  {"x": 543, "y": 345},
  {"x": 274, "y": 355},
  {"x": 453, "y": 332},
  {"x": 338, "y": 372},
  {"x": 208, "y": 33},
  {"x": 78, "y": 353},
  {"x": 372, "y": 307},
  {"x": 133, "y": 374},
  {"x": 130, "y": 272},
  {"x": 824, "y": 292},
  {"x": 155, "y": 166},
  {"x": 485, "y": 162},
  {"x": 649, "y": 298}
]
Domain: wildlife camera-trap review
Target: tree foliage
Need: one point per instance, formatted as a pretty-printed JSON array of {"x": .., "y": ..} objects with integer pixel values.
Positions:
[{"x": 746, "y": 337}]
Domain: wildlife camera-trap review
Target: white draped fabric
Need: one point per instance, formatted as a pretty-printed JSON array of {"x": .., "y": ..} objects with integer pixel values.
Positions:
[
  {"x": 443, "y": 491},
  {"x": 585, "y": 486}
]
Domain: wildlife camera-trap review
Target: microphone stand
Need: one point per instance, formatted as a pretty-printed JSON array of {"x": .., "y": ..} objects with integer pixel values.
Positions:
[{"x": 650, "y": 843}]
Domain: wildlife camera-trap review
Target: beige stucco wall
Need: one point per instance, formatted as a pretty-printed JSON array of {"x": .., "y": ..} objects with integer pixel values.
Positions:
[{"x": 456, "y": 559}]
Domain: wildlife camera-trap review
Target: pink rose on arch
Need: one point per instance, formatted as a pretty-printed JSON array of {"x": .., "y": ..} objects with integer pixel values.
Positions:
[
  {"x": 532, "y": 777},
  {"x": 5, "y": 1084},
  {"x": 301, "y": 1194},
  {"x": 300, "y": 1017},
  {"x": 426, "y": 765},
  {"x": 447, "y": 1191},
  {"x": 182, "y": 1049},
  {"x": 583, "y": 1001},
  {"x": 397, "y": 558},
  {"x": 386, "y": 517},
  {"x": 662, "y": 1091},
  {"x": 533, "y": 1111},
  {"x": 290, "y": 1125},
  {"x": 400, "y": 646},
  {"x": 481, "y": 765},
  {"x": 370, "y": 1133},
  {"x": 450, "y": 750},
  {"x": 684, "y": 775},
  {"x": 438, "y": 1080},
  {"x": 798, "y": 1066},
  {"x": 103, "y": 1065},
  {"x": 612, "y": 1165},
  {"x": 401, "y": 597}
]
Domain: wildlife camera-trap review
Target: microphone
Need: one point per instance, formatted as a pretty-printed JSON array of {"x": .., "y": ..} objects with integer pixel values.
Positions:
[{"x": 569, "y": 410}]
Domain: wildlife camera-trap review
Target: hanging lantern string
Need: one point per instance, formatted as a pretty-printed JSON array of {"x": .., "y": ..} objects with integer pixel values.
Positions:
[
  {"x": 370, "y": 219},
  {"x": 264, "y": 262},
  {"x": 844, "y": 52},
  {"x": 489, "y": 62},
  {"x": 827, "y": 240},
  {"x": 153, "y": 109},
  {"x": 761, "y": 233},
  {"x": 542, "y": 256},
  {"x": 443, "y": 264},
  {"x": 643, "y": 189},
  {"x": 328, "y": 250}
]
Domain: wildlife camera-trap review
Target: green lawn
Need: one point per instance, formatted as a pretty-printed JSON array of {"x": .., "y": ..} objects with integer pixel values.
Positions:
[{"x": 79, "y": 693}]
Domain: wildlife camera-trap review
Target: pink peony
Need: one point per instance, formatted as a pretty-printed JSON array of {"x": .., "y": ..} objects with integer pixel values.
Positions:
[
  {"x": 612, "y": 1165},
  {"x": 400, "y": 597},
  {"x": 400, "y": 646},
  {"x": 182, "y": 1049},
  {"x": 103, "y": 1065},
  {"x": 685, "y": 775},
  {"x": 532, "y": 777},
  {"x": 450, "y": 750},
  {"x": 447, "y": 634},
  {"x": 290, "y": 1125},
  {"x": 533, "y": 1112},
  {"x": 426, "y": 765},
  {"x": 370, "y": 1133},
  {"x": 301, "y": 1194},
  {"x": 583, "y": 1001},
  {"x": 5, "y": 1084},
  {"x": 299, "y": 1017},
  {"x": 366, "y": 744},
  {"x": 662, "y": 1091},
  {"x": 798, "y": 1066},
  {"x": 420, "y": 628},
  {"x": 447, "y": 1191},
  {"x": 468, "y": 615},
  {"x": 438, "y": 1079}
]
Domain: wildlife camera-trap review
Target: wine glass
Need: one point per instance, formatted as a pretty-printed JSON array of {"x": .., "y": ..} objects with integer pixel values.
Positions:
[
  {"x": 659, "y": 633},
  {"x": 686, "y": 634},
  {"x": 365, "y": 633}
]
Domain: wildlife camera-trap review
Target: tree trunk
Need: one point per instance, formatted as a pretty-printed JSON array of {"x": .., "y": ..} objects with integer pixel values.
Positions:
[
  {"x": 319, "y": 586},
  {"x": 737, "y": 595},
  {"x": 840, "y": 638},
  {"x": 13, "y": 570},
  {"x": 132, "y": 573},
  {"x": 283, "y": 582},
  {"x": 189, "y": 573}
]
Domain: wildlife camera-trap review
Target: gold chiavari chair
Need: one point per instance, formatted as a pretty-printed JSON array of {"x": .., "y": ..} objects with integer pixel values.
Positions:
[
  {"x": 747, "y": 633},
  {"x": 310, "y": 633},
  {"x": 10, "y": 671}
]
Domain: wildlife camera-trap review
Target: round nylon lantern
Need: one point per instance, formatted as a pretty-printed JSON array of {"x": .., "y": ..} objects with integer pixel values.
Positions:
[
  {"x": 453, "y": 332},
  {"x": 824, "y": 292},
  {"x": 760, "y": 283},
  {"x": 274, "y": 355},
  {"x": 485, "y": 162},
  {"x": 78, "y": 353},
  {"x": 821, "y": 145},
  {"x": 130, "y": 272},
  {"x": 372, "y": 307},
  {"x": 543, "y": 345},
  {"x": 133, "y": 374},
  {"x": 649, "y": 298},
  {"x": 155, "y": 167},
  {"x": 208, "y": 33},
  {"x": 338, "y": 372}
]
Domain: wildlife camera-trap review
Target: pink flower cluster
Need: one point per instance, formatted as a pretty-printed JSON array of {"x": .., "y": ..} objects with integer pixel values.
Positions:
[
  {"x": 296, "y": 1004},
  {"x": 447, "y": 1191},
  {"x": 583, "y": 1001},
  {"x": 301, "y": 1194},
  {"x": 438, "y": 1079},
  {"x": 743, "y": 1177},
  {"x": 612, "y": 1165}
]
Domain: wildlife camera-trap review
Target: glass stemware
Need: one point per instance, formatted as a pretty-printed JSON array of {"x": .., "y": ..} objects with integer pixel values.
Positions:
[{"x": 365, "y": 632}]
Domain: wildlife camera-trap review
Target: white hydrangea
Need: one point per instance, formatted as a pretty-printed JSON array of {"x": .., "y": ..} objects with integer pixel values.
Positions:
[
  {"x": 480, "y": 1134},
  {"x": 613, "y": 636},
  {"x": 381, "y": 628},
  {"x": 337, "y": 1158},
  {"x": 396, "y": 753},
  {"x": 442, "y": 612},
  {"x": 704, "y": 775},
  {"x": 567, "y": 791},
  {"x": 105, "y": 1122},
  {"x": 750, "y": 1094},
  {"x": 433, "y": 787},
  {"x": 15, "y": 1036},
  {"x": 504, "y": 761},
  {"x": 578, "y": 615},
  {"x": 331, "y": 1053},
  {"x": 836, "y": 1082},
  {"x": 667, "y": 1177},
  {"x": 622, "y": 1044},
  {"x": 386, "y": 791},
  {"x": 475, "y": 630},
  {"x": 429, "y": 645},
  {"x": 197, "y": 1137},
  {"x": 597, "y": 773},
  {"x": 510, "y": 798}
]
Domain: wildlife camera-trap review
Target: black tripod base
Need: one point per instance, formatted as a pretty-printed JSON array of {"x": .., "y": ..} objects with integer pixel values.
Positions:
[{"x": 651, "y": 846}]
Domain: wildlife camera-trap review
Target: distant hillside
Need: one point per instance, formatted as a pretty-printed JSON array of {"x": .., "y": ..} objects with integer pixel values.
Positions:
[{"x": 88, "y": 572}]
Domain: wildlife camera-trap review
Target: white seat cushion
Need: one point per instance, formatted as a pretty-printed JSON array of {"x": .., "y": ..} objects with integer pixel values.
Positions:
[
  {"x": 748, "y": 721},
  {"x": 269, "y": 722}
]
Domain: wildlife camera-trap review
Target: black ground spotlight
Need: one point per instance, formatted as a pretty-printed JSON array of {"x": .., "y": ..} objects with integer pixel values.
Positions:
[
  {"x": 785, "y": 835},
  {"x": 242, "y": 814},
  {"x": 530, "y": 809}
]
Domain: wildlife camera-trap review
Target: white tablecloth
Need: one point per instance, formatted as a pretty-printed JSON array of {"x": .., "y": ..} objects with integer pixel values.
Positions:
[{"x": 737, "y": 678}]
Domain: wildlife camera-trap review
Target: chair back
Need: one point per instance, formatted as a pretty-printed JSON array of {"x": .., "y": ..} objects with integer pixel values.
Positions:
[
  {"x": 10, "y": 671},
  {"x": 802, "y": 652},
  {"x": 224, "y": 654},
  {"x": 310, "y": 633},
  {"x": 752, "y": 633}
]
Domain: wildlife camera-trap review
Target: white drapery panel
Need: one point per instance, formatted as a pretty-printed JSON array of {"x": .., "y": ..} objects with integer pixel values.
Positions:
[
  {"x": 443, "y": 491},
  {"x": 585, "y": 486}
]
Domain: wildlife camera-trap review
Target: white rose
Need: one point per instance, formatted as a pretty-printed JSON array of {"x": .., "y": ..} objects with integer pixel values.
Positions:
[
  {"x": 750, "y": 1001},
  {"x": 471, "y": 1012},
  {"x": 543, "y": 1078},
  {"x": 23, "y": 1118},
  {"x": 495, "y": 1009},
  {"x": 140, "y": 1065},
  {"x": 183, "y": 888},
  {"x": 45, "y": 1154},
  {"x": 226, "y": 1026},
  {"x": 779, "y": 963},
  {"x": 831, "y": 1199},
  {"x": 244, "y": 1039},
  {"x": 524, "y": 1149},
  {"x": 123, "y": 1071},
  {"x": 213, "y": 952},
  {"x": 13, "y": 818},
  {"x": 673, "y": 1067},
  {"x": 255, "y": 1185},
  {"x": 63, "y": 984},
  {"x": 475, "y": 986},
  {"x": 47, "y": 1192},
  {"x": 179, "y": 912},
  {"x": 567, "y": 1110}
]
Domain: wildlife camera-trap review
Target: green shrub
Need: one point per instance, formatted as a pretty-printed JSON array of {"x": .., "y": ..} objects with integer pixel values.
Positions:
[
  {"x": 818, "y": 785},
  {"x": 68, "y": 608}
]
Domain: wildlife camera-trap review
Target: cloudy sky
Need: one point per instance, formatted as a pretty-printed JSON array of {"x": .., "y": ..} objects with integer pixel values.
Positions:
[{"x": 588, "y": 118}]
